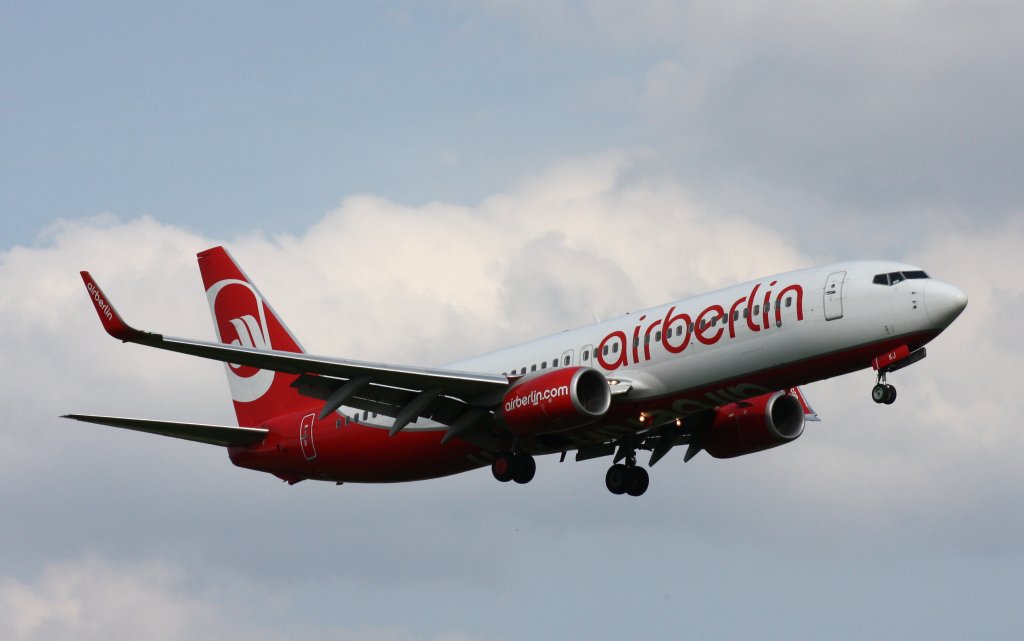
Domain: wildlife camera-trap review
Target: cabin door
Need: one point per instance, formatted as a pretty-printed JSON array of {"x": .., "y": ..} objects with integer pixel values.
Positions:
[{"x": 834, "y": 295}]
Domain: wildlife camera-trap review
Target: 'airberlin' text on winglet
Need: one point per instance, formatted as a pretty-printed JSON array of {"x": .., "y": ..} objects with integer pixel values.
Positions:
[{"x": 101, "y": 304}]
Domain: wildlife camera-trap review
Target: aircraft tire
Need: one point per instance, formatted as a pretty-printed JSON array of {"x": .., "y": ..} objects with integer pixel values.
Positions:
[
  {"x": 616, "y": 478},
  {"x": 503, "y": 467},
  {"x": 879, "y": 393},
  {"x": 890, "y": 395},
  {"x": 524, "y": 469},
  {"x": 637, "y": 482}
]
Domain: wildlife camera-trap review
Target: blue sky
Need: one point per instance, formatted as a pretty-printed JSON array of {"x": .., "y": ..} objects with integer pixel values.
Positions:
[
  {"x": 416, "y": 183},
  {"x": 232, "y": 116}
]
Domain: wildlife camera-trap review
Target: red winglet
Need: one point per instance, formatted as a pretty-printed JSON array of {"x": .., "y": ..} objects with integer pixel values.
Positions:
[{"x": 108, "y": 315}]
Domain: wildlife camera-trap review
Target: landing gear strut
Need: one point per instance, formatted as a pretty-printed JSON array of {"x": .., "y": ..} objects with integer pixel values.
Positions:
[
  {"x": 627, "y": 478},
  {"x": 882, "y": 392},
  {"x": 514, "y": 466}
]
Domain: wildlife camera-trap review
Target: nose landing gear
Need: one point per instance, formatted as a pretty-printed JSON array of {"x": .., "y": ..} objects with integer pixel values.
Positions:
[{"x": 882, "y": 392}]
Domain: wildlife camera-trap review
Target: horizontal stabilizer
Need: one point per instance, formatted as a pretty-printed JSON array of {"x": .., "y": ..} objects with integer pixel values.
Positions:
[{"x": 223, "y": 435}]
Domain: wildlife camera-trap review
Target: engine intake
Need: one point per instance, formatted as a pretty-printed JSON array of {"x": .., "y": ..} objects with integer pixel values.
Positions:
[
  {"x": 556, "y": 400},
  {"x": 758, "y": 424}
]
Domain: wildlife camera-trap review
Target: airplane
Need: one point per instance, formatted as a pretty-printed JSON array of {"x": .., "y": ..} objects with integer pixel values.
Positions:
[{"x": 719, "y": 372}]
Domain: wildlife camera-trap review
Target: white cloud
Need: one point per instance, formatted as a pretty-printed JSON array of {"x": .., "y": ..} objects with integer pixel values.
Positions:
[
  {"x": 378, "y": 280},
  {"x": 96, "y": 599},
  {"x": 93, "y": 599},
  {"x": 381, "y": 281}
]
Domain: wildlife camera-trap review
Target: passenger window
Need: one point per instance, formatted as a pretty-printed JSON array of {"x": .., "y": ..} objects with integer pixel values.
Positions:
[
  {"x": 543, "y": 364},
  {"x": 522, "y": 371},
  {"x": 533, "y": 368},
  {"x": 566, "y": 361},
  {"x": 757, "y": 310},
  {"x": 768, "y": 306},
  {"x": 679, "y": 330},
  {"x": 736, "y": 315},
  {"x": 657, "y": 337},
  {"x": 605, "y": 350},
  {"x": 615, "y": 347},
  {"x": 789, "y": 301},
  {"x": 746, "y": 312},
  {"x": 586, "y": 355}
]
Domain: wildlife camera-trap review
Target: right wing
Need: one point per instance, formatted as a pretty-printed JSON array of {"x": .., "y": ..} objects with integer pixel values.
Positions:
[{"x": 223, "y": 435}]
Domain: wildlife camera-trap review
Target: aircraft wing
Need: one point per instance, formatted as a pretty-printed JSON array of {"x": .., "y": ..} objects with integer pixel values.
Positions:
[
  {"x": 469, "y": 386},
  {"x": 223, "y": 435}
]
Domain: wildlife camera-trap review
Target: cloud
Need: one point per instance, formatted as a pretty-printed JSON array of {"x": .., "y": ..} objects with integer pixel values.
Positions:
[
  {"x": 934, "y": 474},
  {"x": 93, "y": 598},
  {"x": 882, "y": 110}
]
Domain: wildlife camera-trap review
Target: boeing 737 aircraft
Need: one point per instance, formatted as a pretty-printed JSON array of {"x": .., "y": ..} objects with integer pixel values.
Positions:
[{"x": 718, "y": 372}]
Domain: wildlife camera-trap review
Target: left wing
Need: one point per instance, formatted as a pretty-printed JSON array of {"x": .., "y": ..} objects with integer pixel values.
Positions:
[{"x": 472, "y": 387}]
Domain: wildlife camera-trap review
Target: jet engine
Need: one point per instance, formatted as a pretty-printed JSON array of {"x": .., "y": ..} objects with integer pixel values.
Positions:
[
  {"x": 754, "y": 425},
  {"x": 556, "y": 400}
]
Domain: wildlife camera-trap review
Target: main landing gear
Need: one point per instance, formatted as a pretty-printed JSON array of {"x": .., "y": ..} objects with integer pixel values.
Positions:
[
  {"x": 627, "y": 478},
  {"x": 514, "y": 466},
  {"x": 882, "y": 392}
]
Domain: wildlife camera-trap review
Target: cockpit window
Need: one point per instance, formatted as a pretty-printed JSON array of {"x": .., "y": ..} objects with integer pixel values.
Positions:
[{"x": 897, "y": 277}]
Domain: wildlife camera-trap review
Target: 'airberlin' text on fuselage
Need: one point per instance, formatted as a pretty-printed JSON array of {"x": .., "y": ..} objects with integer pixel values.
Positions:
[{"x": 708, "y": 326}]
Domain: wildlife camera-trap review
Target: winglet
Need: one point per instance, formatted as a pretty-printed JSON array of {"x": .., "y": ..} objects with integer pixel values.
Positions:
[{"x": 111, "y": 320}]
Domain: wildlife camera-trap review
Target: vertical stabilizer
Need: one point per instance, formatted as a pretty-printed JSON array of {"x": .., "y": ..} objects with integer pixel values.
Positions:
[{"x": 241, "y": 316}]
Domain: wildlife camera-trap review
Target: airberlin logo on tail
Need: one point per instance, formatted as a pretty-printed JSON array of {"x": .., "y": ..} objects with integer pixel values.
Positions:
[
  {"x": 101, "y": 304},
  {"x": 235, "y": 304},
  {"x": 250, "y": 334}
]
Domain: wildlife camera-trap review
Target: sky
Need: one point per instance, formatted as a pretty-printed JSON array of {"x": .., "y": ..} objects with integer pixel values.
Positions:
[{"x": 417, "y": 183}]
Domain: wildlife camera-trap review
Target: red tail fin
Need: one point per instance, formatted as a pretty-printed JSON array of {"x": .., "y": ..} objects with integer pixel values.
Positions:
[{"x": 241, "y": 316}]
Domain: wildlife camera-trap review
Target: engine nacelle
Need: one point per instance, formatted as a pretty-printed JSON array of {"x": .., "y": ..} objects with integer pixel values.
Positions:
[
  {"x": 556, "y": 400},
  {"x": 754, "y": 425}
]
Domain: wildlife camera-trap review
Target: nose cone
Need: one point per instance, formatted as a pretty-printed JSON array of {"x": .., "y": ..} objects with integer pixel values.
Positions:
[{"x": 943, "y": 302}]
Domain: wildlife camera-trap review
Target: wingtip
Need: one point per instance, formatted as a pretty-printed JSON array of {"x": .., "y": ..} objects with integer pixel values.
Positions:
[{"x": 111, "y": 320}]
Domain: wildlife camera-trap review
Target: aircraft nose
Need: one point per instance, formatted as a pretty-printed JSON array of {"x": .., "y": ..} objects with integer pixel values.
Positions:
[{"x": 943, "y": 302}]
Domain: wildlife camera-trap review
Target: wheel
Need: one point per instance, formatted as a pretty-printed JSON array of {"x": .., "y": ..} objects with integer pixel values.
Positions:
[
  {"x": 616, "y": 478},
  {"x": 524, "y": 468},
  {"x": 890, "y": 395},
  {"x": 503, "y": 468},
  {"x": 879, "y": 393},
  {"x": 638, "y": 481}
]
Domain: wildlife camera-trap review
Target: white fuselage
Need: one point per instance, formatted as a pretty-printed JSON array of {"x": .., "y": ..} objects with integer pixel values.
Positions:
[{"x": 860, "y": 313}]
